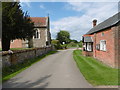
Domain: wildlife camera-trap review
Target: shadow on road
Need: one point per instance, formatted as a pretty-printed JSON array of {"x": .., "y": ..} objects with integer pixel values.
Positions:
[{"x": 40, "y": 83}]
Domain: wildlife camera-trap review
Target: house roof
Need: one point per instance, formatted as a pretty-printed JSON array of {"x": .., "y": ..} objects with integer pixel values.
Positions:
[
  {"x": 87, "y": 39},
  {"x": 106, "y": 24},
  {"x": 39, "y": 21}
]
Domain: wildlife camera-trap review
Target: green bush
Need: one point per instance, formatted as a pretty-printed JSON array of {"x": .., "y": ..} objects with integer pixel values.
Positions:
[
  {"x": 56, "y": 44},
  {"x": 72, "y": 44},
  {"x": 64, "y": 46},
  {"x": 80, "y": 44}
]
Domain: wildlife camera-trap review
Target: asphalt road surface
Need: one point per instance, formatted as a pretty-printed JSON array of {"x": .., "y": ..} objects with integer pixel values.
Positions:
[{"x": 58, "y": 70}]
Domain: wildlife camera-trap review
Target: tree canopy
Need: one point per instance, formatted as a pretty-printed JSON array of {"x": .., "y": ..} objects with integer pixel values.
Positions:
[
  {"x": 63, "y": 36},
  {"x": 15, "y": 24},
  {"x": 75, "y": 41}
]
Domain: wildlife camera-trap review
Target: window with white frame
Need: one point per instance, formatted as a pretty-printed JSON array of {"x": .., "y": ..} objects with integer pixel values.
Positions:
[
  {"x": 89, "y": 46},
  {"x": 103, "y": 45},
  {"x": 12, "y": 41},
  {"x": 84, "y": 46},
  {"x": 37, "y": 34}
]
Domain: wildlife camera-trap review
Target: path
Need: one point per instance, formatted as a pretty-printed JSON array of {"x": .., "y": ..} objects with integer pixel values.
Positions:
[{"x": 55, "y": 71}]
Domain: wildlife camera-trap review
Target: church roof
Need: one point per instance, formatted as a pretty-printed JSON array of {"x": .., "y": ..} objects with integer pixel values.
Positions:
[{"x": 40, "y": 21}]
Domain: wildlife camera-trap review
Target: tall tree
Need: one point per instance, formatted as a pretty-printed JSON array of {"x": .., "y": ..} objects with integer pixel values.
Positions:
[
  {"x": 63, "y": 36},
  {"x": 15, "y": 24},
  {"x": 0, "y": 20}
]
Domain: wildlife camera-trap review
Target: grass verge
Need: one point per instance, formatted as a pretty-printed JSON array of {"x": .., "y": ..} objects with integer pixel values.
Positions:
[
  {"x": 94, "y": 71},
  {"x": 9, "y": 72}
]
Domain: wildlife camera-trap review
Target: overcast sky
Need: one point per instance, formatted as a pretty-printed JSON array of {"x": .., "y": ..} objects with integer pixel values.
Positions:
[{"x": 75, "y": 17}]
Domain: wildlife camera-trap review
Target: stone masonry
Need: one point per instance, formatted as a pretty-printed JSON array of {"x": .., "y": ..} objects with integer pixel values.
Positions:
[{"x": 19, "y": 56}]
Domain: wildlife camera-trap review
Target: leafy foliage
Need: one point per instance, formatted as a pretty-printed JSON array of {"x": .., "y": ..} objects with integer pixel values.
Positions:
[
  {"x": 56, "y": 44},
  {"x": 72, "y": 44},
  {"x": 15, "y": 24},
  {"x": 75, "y": 41},
  {"x": 64, "y": 46},
  {"x": 80, "y": 44},
  {"x": 63, "y": 36}
]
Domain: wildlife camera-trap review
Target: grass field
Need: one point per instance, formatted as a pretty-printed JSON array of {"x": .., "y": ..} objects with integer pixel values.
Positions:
[
  {"x": 94, "y": 71},
  {"x": 13, "y": 70}
]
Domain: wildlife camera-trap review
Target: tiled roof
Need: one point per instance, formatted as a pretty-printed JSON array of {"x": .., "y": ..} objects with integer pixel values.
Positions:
[
  {"x": 106, "y": 24},
  {"x": 39, "y": 21}
]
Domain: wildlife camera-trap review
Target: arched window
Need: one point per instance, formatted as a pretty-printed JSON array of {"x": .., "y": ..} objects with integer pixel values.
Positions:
[{"x": 37, "y": 34}]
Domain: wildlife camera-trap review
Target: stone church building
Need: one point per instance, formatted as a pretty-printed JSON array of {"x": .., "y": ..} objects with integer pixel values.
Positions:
[{"x": 42, "y": 35}]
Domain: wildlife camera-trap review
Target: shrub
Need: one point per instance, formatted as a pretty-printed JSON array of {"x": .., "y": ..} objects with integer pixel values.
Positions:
[
  {"x": 56, "y": 44},
  {"x": 64, "y": 46},
  {"x": 80, "y": 44},
  {"x": 72, "y": 44}
]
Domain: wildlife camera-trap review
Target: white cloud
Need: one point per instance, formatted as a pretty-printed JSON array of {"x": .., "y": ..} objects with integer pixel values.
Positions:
[
  {"x": 79, "y": 25},
  {"x": 42, "y": 6},
  {"x": 25, "y": 3},
  {"x": 75, "y": 25},
  {"x": 73, "y": 0}
]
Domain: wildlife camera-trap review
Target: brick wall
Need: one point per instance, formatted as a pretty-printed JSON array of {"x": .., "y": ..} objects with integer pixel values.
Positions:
[
  {"x": 117, "y": 46},
  {"x": 16, "y": 44},
  {"x": 85, "y": 53},
  {"x": 21, "y": 55},
  {"x": 107, "y": 56}
]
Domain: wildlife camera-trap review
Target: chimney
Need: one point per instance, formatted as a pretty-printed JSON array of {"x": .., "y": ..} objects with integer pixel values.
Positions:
[{"x": 94, "y": 22}]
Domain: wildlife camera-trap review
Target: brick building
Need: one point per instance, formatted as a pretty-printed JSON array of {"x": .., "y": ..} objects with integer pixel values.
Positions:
[
  {"x": 42, "y": 35},
  {"x": 103, "y": 41}
]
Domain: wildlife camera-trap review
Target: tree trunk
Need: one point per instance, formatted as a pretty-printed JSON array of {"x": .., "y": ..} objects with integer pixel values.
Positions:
[
  {"x": 5, "y": 44},
  {"x": 30, "y": 43}
]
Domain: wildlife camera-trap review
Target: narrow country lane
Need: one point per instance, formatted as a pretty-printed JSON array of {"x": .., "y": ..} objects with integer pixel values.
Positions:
[{"x": 55, "y": 71}]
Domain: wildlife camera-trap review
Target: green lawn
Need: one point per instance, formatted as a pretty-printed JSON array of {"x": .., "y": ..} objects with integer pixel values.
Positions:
[
  {"x": 94, "y": 71},
  {"x": 13, "y": 70}
]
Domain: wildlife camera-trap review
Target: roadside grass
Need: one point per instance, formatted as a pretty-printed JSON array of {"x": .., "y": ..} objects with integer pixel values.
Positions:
[
  {"x": 9, "y": 72},
  {"x": 1, "y": 78},
  {"x": 94, "y": 71}
]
